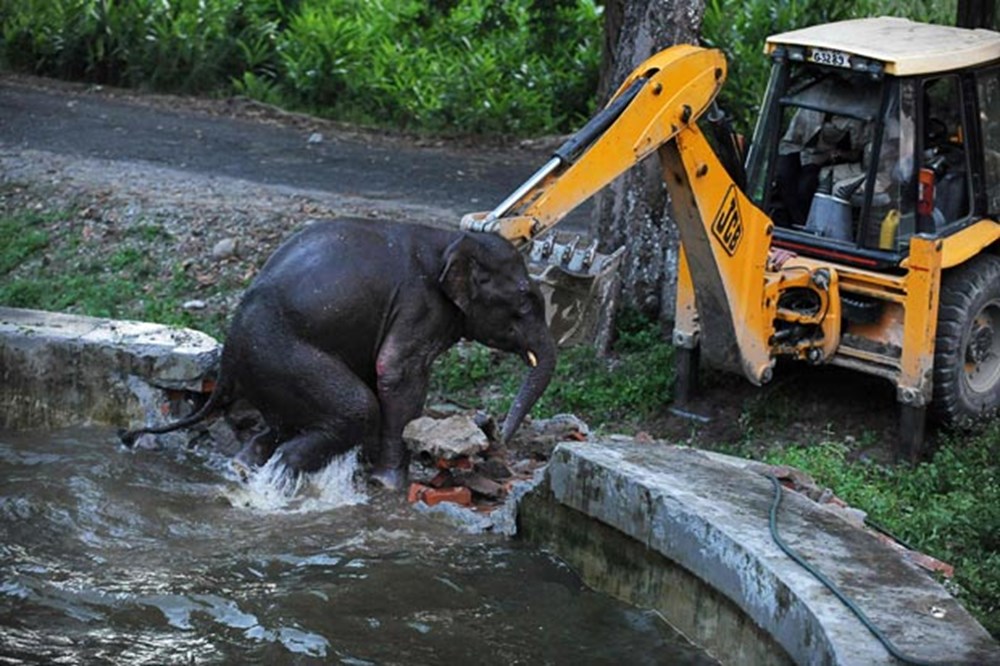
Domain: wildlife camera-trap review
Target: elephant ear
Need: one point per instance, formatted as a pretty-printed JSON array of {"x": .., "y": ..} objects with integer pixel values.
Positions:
[{"x": 459, "y": 277}]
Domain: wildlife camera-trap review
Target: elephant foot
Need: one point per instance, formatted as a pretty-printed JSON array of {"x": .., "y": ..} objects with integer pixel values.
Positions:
[
  {"x": 245, "y": 462},
  {"x": 241, "y": 468},
  {"x": 391, "y": 478},
  {"x": 254, "y": 454}
]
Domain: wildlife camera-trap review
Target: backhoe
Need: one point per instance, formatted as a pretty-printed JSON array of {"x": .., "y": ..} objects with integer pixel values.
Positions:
[{"x": 860, "y": 229}]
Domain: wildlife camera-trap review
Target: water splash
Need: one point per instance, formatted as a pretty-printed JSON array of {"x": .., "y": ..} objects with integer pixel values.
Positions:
[{"x": 276, "y": 488}]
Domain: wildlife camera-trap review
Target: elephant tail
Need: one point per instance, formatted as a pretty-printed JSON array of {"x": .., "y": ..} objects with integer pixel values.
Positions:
[{"x": 221, "y": 396}]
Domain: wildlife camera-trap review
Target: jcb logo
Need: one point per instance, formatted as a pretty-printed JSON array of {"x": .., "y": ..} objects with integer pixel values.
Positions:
[{"x": 728, "y": 224}]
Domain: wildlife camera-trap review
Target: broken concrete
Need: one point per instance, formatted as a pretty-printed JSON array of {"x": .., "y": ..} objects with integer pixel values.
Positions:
[
  {"x": 710, "y": 519},
  {"x": 59, "y": 370},
  {"x": 501, "y": 518},
  {"x": 449, "y": 438}
]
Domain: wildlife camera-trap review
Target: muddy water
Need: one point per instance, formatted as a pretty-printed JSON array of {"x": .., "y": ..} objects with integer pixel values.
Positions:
[{"x": 111, "y": 556}]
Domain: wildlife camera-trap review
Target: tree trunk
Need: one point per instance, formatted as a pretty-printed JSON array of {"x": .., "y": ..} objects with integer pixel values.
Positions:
[
  {"x": 976, "y": 14},
  {"x": 634, "y": 210}
]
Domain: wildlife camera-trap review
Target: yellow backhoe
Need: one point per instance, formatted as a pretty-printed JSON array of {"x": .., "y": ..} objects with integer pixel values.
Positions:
[{"x": 859, "y": 230}]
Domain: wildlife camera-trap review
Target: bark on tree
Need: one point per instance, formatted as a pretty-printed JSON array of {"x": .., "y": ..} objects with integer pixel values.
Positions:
[
  {"x": 977, "y": 14},
  {"x": 634, "y": 210}
]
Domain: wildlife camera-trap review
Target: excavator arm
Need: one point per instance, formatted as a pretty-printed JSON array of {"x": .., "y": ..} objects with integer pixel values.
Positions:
[
  {"x": 664, "y": 95},
  {"x": 725, "y": 238}
]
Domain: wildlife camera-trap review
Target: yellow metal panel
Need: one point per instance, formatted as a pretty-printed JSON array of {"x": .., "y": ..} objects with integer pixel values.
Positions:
[
  {"x": 923, "y": 283},
  {"x": 967, "y": 243},
  {"x": 726, "y": 241}
]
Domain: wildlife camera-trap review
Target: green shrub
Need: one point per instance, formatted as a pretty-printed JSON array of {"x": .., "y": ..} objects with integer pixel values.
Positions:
[
  {"x": 478, "y": 66},
  {"x": 470, "y": 66}
]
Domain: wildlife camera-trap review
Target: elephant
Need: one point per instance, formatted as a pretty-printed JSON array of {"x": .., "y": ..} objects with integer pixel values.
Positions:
[{"x": 334, "y": 340}]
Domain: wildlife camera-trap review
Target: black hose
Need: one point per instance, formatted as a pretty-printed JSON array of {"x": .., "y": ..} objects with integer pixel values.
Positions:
[
  {"x": 830, "y": 585},
  {"x": 596, "y": 126}
]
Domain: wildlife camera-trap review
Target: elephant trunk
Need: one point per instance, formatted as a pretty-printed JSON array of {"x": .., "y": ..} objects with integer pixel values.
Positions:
[{"x": 542, "y": 360}]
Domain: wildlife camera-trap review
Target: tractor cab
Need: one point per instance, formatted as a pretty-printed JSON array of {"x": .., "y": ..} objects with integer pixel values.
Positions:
[{"x": 874, "y": 130}]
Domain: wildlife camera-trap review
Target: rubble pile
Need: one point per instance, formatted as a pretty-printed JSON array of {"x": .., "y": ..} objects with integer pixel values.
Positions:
[{"x": 457, "y": 459}]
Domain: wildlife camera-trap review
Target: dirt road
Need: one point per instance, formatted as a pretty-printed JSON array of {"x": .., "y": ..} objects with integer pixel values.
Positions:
[{"x": 97, "y": 138}]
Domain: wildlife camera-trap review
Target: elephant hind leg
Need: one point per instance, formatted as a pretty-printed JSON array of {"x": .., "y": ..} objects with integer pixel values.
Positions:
[
  {"x": 337, "y": 422},
  {"x": 319, "y": 406},
  {"x": 310, "y": 451}
]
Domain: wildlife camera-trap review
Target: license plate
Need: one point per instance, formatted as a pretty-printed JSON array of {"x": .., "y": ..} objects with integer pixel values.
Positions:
[{"x": 828, "y": 57}]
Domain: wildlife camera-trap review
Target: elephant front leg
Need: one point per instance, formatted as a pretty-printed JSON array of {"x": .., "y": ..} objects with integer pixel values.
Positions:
[{"x": 402, "y": 390}]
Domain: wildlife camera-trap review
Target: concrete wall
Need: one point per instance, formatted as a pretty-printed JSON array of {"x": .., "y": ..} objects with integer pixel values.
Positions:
[
  {"x": 709, "y": 519},
  {"x": 610, "y": 562},
  {"x": 58, "y": 370}
]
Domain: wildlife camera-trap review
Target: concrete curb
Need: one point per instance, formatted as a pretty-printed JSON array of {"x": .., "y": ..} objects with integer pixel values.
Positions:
[
  {"x": 59, "y": 370},
  {"x": 711, "y": 518}
]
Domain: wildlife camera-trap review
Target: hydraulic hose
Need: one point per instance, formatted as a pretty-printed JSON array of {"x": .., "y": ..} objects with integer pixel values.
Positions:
[
  {"x": 572, "y": 148},
  {"x": 596, "y": 126},
  {"x": 830, "y": 585}
]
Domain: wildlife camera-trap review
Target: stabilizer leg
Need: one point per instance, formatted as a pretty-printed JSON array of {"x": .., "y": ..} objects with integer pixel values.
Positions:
[
  {"x": 686, "y": 363},
  {"x": 912, "y": 427}
]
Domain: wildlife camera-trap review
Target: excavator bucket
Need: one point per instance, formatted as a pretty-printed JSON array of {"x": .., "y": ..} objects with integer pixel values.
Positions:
[{"x": 579, "y": 285}]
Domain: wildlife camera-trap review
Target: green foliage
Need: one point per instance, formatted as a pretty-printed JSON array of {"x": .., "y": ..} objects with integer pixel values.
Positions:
[
  {"x": 180, "y": 45},
  {"x": 631, "y": 384},
  {"x": 123, "y": 281},
  {"x": 948, "y": 507},
  {"x": 478, "y": 66},
  {"x": 470, "y": 66}
]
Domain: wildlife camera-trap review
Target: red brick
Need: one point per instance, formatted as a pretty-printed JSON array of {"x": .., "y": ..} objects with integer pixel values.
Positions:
[
  {"x": 430, "y": 496},
  {"x": 441, "y": 479},
  {"x": 416, "y": 492},
  {"x": 458, "y": 495}
]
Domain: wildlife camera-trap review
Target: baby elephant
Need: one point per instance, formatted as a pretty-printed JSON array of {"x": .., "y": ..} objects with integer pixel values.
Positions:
[{"x": 333, "y": 342}]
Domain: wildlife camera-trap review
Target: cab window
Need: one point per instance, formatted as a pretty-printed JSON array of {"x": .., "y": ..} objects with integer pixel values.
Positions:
[
  {"x": 943, "y": 185},
  {"x": 988, "y": 90},
  {"x": 890, "y": 220}
]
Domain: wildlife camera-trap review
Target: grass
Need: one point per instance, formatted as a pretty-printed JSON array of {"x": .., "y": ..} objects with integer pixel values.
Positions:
[
  {"x": 25, "y": 235},
  {"x": 54, "y": 261},
  {"x": 626, "y": 388}
]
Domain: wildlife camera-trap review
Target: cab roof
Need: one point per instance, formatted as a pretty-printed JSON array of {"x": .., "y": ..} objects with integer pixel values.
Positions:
[{"x": 904, "y": 46}]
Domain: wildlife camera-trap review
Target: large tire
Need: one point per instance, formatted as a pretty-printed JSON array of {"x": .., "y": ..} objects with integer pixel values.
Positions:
[{"x": 967, "y": 349}]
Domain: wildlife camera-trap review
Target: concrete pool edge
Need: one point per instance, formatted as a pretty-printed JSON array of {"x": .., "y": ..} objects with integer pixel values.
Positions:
[
  {"x": 710, "y": 518},
  {"x": 59, "y": 369}
]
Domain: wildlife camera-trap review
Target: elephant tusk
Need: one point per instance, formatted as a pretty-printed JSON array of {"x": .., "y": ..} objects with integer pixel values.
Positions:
[{"x": 532, "y": 359}]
